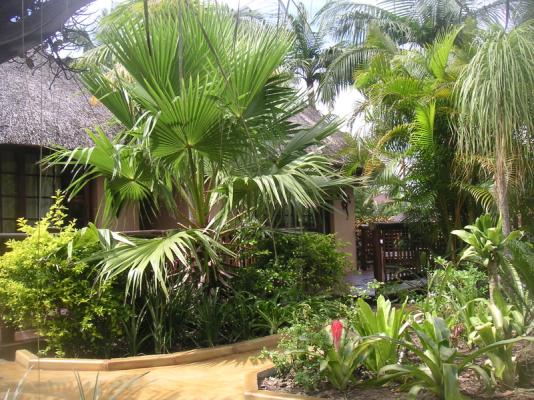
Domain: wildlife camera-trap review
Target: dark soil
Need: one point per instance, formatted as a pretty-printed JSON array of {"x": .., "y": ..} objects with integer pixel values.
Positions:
[{"x": 287, "y": 385}]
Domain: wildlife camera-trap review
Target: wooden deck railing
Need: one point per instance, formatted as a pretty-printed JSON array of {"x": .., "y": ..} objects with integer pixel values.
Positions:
[{"x": 391, "y": 250}]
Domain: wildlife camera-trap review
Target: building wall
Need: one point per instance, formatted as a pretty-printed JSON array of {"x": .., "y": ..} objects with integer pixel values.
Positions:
[
  {"x": 166, "y": 220},
  {"x": 128, "y": 220},
  {"x": 342, "y": 225}
]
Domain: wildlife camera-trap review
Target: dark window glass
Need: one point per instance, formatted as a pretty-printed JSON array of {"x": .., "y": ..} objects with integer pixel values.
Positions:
[
  {"x": 20, "y": 194},
  {"x": 309, "y": 220}
]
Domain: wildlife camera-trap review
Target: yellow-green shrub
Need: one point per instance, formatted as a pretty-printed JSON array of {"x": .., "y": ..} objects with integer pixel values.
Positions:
[{"x": 48, "y": 286}]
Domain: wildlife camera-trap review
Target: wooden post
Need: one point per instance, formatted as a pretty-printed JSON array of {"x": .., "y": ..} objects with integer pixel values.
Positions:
[
  {"x": 364, "y": 237},
  {"x": 379, "y": 265}
]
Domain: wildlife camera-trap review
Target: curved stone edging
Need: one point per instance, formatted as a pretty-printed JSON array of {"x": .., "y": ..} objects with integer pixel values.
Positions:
[
  {"x": 29, "y": 360},
  {"x": 252, "y": 391}
]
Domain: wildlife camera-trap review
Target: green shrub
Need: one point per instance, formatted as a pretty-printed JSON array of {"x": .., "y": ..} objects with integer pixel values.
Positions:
[
  {"x": 295, "y": 266},
  {"x": 292, "y": 355},
  {"x": 497, "y": 321},
  {"x": 46, "y": 285},
  {"x": 452, "y": 287},
  {"x": 345, "y": 352},
  {"x": 302, "y": 345}
]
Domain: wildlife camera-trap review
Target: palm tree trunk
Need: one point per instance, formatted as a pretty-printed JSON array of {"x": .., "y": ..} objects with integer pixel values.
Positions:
[
  {"x": 493, "y": 277},
  {"x": 501, "y": 189},
  {"x": 311, "y": 94}
]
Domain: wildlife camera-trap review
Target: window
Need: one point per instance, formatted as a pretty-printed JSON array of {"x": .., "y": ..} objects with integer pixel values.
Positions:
[
  {"x": 310, "y": 220},
  {"x": 19, "y": 186}
]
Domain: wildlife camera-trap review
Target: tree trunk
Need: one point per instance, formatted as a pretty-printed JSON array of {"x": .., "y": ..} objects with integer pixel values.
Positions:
[
  {"x": 311, "y": 94},
  {"x": 501, "y": 188},
  {"x": 493, "y": 277},
  {"x": 501, "y": 192}
]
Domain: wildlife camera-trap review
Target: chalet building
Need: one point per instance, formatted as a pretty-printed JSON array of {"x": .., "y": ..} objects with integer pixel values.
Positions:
[{"x": 39, "y": 110}]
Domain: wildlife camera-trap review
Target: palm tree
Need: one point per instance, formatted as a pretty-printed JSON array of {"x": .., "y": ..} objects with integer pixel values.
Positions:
[
  {"x": 309, "y": 58},
  {"x": 207, "y": 113},
  {"x": 494, "y": 97},
  {"x": 409, "y": 104},
  {"x": 403, "y": 24}
]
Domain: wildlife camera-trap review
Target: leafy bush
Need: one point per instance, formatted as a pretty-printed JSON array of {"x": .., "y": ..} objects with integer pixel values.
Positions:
[
  {"x": 296, "y": 266},
  {"x": 315, "y": 350},
  {"x": 345, "y": 353},
  {"x": 452, "y": 287},
  {"x": 487, "y": 244},
  {"x": 440, "y": 365},
  {"x": 45, "y": 284},
  {"x": 302, "y": 345}
]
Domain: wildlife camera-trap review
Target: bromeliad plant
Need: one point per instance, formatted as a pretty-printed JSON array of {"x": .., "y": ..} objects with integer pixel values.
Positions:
[
  {"x": 440, "y": 362},
  {"x": 206, "y": 111},
  {"x": 497, "y": 322},
  {"x": 346, "y": 352},
  {"x": 385, "y": 321}
]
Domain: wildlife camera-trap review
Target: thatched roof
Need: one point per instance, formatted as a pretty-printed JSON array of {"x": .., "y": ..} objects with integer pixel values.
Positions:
[
  {"x": 333, "y": 144},
  {"x": 67, "y": 110},
  {"x": 26, "y": 96}
]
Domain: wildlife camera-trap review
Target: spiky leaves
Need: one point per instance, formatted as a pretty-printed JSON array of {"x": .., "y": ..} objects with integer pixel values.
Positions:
[
  {"x": 206, "y": 109},
  {"x": 494, "y": 97}
]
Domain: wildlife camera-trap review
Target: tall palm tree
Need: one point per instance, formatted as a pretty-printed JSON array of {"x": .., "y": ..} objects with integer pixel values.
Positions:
[
  {"x": 207, "y": 113},
  {"x": 309, "y": 57},
  {"x": 494, "y": 96},
  {"x": 405, "y": 24}
]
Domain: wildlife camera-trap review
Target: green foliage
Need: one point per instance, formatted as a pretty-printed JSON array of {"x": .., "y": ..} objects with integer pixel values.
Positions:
[
  {"x": 273, "y": 314},
  {"x": 385, "y": 321},
  {"x": 441, "y": 363},
  {"x": 292, "y": 355},
  {"x": 299, "y": 350},
  {"x": 486, "y": 241},
  {"x": 495, "y": 108},
  {"x": 210, "y": 315},
  {"x": 409, "y": 105},
  {"x": 502, "y": 322},
  {"x": 207, "y": 112},
  {"x": 452, "y": 287},
  {"x": 339, "y": 362},
  {"x": 487, "y": 244},
  {"x": 297, "y": 266},
  {"x": 522, "y": 260},
  {"x": 46, "y": 284}
]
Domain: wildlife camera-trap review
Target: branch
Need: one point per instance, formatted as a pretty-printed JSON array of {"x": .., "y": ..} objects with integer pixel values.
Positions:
[{"x": 38, "y": 26}]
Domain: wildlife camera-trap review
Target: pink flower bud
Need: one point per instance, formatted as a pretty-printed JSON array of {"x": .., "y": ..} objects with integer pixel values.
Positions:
[{"x": 337, "y": 331}]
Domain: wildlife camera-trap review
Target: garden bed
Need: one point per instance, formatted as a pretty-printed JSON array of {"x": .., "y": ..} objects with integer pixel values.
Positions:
[{"x": 267, "y": 385}]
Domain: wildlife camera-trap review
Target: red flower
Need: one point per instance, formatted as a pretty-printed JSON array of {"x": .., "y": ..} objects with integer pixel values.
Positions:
[{"x": 337, "y": 331}]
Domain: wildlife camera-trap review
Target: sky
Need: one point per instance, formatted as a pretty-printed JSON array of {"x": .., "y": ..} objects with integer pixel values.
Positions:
[{"x": 346, "y": 101}]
